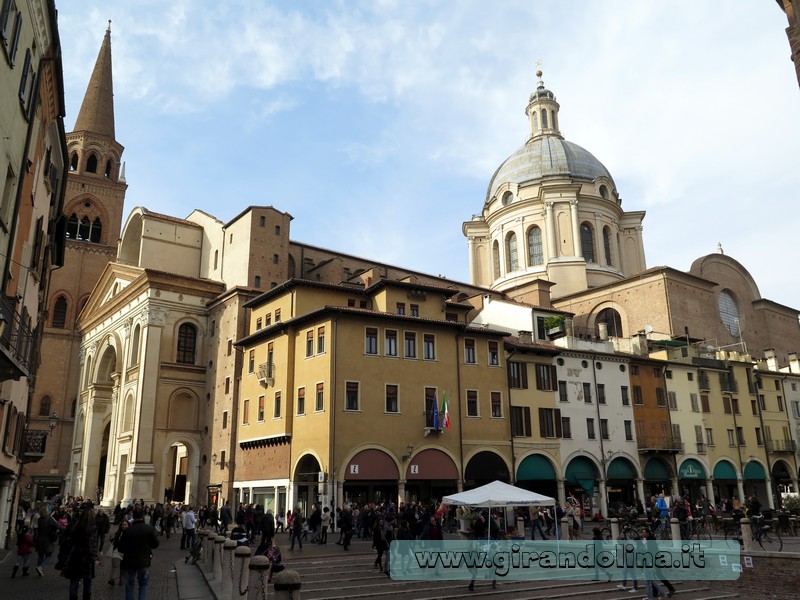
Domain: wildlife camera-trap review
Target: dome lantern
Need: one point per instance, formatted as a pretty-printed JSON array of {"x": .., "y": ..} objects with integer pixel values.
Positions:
[{"x": 542, "y": 111}]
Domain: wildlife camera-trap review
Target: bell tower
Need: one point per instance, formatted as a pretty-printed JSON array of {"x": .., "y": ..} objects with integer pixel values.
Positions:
[{"x": 93, "y": 205}]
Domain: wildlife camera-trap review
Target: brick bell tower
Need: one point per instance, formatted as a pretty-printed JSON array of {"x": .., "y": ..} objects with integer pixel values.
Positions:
[{"x": 93, "y": 205}]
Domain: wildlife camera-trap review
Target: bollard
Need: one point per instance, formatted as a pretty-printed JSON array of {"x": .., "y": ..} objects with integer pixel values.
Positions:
[
  {"x": 241, "y": 566},
  {"x": 287, "y": 585},
  {"x": 227, "y": 568},
  {"x": 675, "y": 531},
  {"x": 564, "y": 529},
  {"x": 259, "y": 572},
  {"x": 201, "y": 539},
  {"x": 521, "y": 527},
  {"x": 615, "y": 529},
  {"x": 208, "y": 552},
  {"x": 747, "y": 535},
  {"x": 216, "y": 559}
]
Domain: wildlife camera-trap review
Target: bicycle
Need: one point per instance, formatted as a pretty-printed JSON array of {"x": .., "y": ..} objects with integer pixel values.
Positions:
[
  {"x": 659, "y": 527},
  {"x": 769, "y": 539}
]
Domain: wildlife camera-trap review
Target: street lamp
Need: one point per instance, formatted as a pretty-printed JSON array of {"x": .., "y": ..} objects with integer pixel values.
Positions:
[{"x": 53, "y": 420}]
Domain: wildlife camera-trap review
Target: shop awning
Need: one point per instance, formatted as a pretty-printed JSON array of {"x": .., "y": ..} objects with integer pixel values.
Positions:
[
  {"x": 536, "y": 468},
  {"x": 754, "y": 470},
  {"x": 691, "y": 469},
  {"x": 581, "y": 473},
  {"x": 724, "y": 470},
  {"x": 621, "y": 468},
  {"x": 656, "y": 471}
]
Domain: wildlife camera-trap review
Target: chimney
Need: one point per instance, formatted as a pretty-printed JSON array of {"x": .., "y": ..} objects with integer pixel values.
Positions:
[
  {"x": 602, "y": 330},
  {"x": 525, "y": 337},
  {"x": 772, "y": 360},
  {"x": 794, "y": 363}
]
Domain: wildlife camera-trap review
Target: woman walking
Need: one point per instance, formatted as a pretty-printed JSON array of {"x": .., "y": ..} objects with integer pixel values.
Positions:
[
  {"x": 116, "y": 556},
  {"x": 378, "y": 543},
  {"x": 46, "y": 540},
  {"x": 82, "y": 557}
]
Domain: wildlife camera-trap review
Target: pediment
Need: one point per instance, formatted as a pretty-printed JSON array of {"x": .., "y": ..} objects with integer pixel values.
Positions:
[{"x": 116, "y": 277}]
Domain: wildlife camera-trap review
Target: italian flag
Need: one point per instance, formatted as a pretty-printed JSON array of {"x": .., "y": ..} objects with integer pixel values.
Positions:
[{"x": 445, "y": 411}]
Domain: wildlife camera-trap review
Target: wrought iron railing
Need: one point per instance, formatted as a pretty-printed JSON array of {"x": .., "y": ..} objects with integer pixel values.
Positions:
[{"x": 15, "y": 336}]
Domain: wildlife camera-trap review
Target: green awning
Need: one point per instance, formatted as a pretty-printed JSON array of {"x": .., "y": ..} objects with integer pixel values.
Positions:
[
  {"x": 656, "y": 471},
  {"x": 621, "y": 468},
  {"x": 691, "y": 469},
  {"x": 536, "y": 468},
  {"x": 754, "y": 470},
  {"x": 724, "y": 470},
  {"x": 581, "y": 473}
]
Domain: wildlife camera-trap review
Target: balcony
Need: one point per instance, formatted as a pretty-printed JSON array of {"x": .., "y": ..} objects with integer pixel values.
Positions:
[
  {"x": 659, "y": 443},
  {"x": 701, "y": 448},
  {"x": 34, "y": 444},
  {"x": 16, "y": 342},
  {"x": 266, "y": 374},
  {"x": 780, "y": 445}
]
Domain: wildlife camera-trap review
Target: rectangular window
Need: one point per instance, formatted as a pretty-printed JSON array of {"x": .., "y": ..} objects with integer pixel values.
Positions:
[
  {"x": 604, "y": 429},
  {"x": 626, "y": 400},
  {"x": 762, "y": 402},
  {"x": 590, "y": 429},
  {"x": 735, "y": 406},
  {"x": 494, "y": 356},
  {"x": 628, "y": 430},
  {"x": 276, "y": 412},
  {"x": 546, "y": 378},
  {"x": 390, "y": 343},
  {"x": 351, "y": 401},
  {"x": 413, "y": 310},
  {"x": 759, "y": 438},
  {"x": 634, "y": 369},
  {"x": 230, "y": 347},
  {"x": 566, "y": 428},
  {"x": 246, "y": 411},
  {"x": 401, "y": 308},
  {"x": 450, "y": 317},
  {"x": 754, "y": 407},
  {"x": 277, "y": 315},
  {"x": 320, "y": 404},
  {"x": 277, "y": 229},
  {"x": 731, "y": 438},
  {"x": 587, "y": 392},
  {"x": 391, "y": 399},
  {"x": 796, "y": 409},
  {"x": 690, "y": 376},
  {"x": 693, "y": 402},
  {"x": 275, "y": 259},
  {"x": 667, "y": 374},
  {"x": 261, "y": 409},
  {"x": 259, "y": 325},
  {"x": 601, "y": 393},
  {"x": 704, "y": 403},
  {"x": 518, "y": 375},
  {"x": 497, "y": 406},
  {"x": 676, "y": 433},
  {"x": 371, "y": 340},
  {"x": 780, "y": 403},
  {"x": 660, "y": 399},
  {"x": 562, "y": 392},
  {"x": 251, "y": 361},
  {"x": 224, "y": 419},
  {"x": 257, "y": 281},
  {"x": 227, "y": 385},
  {"x": 429, "y": 346},
  {"x": 472, "y": 403},
  {"x": 262, "y": 221},
  {"x": 637, "y": 395},
  {"x": 777, "y": 384},
  {"x": 362, "y": 304},
  {"x": 430, "y": 401},
  {"x": 550, "y": 423},
  {"x": 740, "y": 436},
  {"x": 541, "y": 333},
  {"x": 310, "y": 343},
  {"x": 320, "y": 340},
  {"x": 469, "y": 351},
  {"x": 520, "y": 421},
  {"x": 410, "y": 344},
  {"x": 270, "y": 355},
  {"x": 657, "y": 372},
  {"x": 268, "y": 320},
  {"x": 673, "y": 400},
  {"x": 301, "y": 401}
]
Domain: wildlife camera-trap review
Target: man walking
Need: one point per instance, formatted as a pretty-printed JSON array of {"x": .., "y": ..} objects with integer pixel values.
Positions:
[
  {"x": 189, "y": 524},
  {"x": 135, "y": 546},
  {"x": 225, "y": 518}
]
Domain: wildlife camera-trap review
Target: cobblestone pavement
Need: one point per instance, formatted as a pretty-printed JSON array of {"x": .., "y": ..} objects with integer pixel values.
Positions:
[{"x": 54, "y": 587}]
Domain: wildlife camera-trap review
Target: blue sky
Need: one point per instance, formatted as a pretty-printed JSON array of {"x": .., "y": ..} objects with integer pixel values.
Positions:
[{"x": 378, "y": 124}]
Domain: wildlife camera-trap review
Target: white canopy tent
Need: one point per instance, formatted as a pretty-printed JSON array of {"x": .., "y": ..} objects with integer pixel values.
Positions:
[{"x": 498, "y": 493}]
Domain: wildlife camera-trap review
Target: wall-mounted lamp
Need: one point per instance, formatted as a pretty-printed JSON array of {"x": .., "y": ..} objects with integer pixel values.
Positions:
[
  {"x": 53, "y": 421},
  {"x": 220, "y": 463},
  {"x": 409, "y": 450}
]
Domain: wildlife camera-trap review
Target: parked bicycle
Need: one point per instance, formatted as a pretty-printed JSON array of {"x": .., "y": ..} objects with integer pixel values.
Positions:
[{"x": 763, "y": 533}]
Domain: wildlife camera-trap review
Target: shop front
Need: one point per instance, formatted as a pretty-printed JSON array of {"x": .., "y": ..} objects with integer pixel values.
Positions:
[
  {"x": 537, "y": 474},
  {"x": 581, "y": 479},
  {"x": 657, "y": 478},
  {"x": 371, "y": 476},
  {"x": 755, "y": 483},
  {"x": 621, "y": 484},
  {"x": 726, "y": 484},
  {"x": 430, "y": 475},
  {"x": 692, "y": 480}
]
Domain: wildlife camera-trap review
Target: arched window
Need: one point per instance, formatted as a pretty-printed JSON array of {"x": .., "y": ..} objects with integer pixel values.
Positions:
[
  {"x": 496, "y": 259},
  {"x": 135, "y": 345},
  {"x": 91, "y": 164},
  {"x": 187, "y": 342},
  {"x": 544, "y": 118},
  {"x": 88, "y": 373},
  {"x": 612, "y": 319},
  {"x": 607, "y": 244},
  {"x": 512, "y": 262},
  {"x": 60, "y": 313},
  {"x": 553, "y": 119},
  {"x": 535, "y": 121},
  {"x": 96, "y": 231},
  {"x": 109, "y": 169},
  {"x": 535, "y": 255},
  {"x": 73, "y": 406},
  {"x": 604, "y": 192},
  {"x": 73, "y": 162},
  {"x": 72, "y": 226},
  {"x": 84, "y": 228},
  {"x": 216, "y": 259},
  {"x": 44, "y": 407},
  {"x": 587, "y": 243}
]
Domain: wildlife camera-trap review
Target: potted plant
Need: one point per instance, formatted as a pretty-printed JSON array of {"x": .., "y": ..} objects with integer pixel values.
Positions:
[
  {"x": 464, "y": 516},
  {"x": 554, "y": 325}
]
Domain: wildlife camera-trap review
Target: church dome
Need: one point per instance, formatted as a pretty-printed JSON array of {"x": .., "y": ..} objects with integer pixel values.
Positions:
[{"x": 547, "y": 156}]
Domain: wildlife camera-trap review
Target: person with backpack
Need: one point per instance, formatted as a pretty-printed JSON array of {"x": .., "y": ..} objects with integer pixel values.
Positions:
[{"x": 48, "y": 532}]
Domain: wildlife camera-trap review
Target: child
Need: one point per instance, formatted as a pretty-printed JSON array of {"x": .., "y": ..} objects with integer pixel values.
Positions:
[
  {"x": 24, "y": 549},
  {"x": 275, "y": 561}
]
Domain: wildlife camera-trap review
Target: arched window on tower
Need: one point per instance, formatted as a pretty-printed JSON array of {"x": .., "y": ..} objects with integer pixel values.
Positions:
[
  {"x": 535, "y": 121},
  {"x": 512, "y": 261},
  {"x": 73, "y": 162},
  {"x": 607, "y": 244},
  {"x": 544, "y": 118},
  {"x": 587, "y": 242},
  {"x": 72, "y": 226},
  {"x": 187, "y": 343},
  {"x": 109, "y": 169},
  {"x": 496, "y": 259},
  {"x": 611, "y": 318},
  {"x": 135, "y": 345},
  {"x": 60, "y": 313},
  {"x": 44, "y": 407},
  {"x": 96, "y": 231},
  {"x": 84, "y": 229},
  {"x": 553, "y": 119},
  {"x": 535, "y": 255},
  {"x": 91, "y": 164}
]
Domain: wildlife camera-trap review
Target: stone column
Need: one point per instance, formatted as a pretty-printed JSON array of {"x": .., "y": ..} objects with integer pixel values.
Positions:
[
  {"x": 401, "y": 491},
  {"x": 460, "y": 486},
  {"x": 257, "y": 578},
  {"x": 770, "y": 497},
  {"x": 90, "y": 451},
  {"x": 740, "y": 489},
  {"x": 600, "y": 247},
  {"x": 339, "y": 492},
  {"x": 710, "y": 491},
  {"x": 241, "y": 571},
  {"x": 676, "y": 490},
  {"x": 217, "y": 559},
  {"x": 640, "y": 248},
  {"x": 576, "y": 229},
  {"x": 640, "y": 491},
  {"x": 550, "y": 233},
  {"x": 601, "y": 484},
  {"x": 227, "y": 567},
  {"x": 562, "y": 492}
]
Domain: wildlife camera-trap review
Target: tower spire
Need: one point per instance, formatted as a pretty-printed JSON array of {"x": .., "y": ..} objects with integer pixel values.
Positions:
[
  {"x": 97, "y": 110},
  {"x": 542, "y": 109}
]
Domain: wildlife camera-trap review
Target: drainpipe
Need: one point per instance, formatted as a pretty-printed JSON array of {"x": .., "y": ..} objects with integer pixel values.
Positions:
[
  {"x": 602, "y": 482},
  {"x": 461, "y": 469},
  {"x": 510, "y": 428}
]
